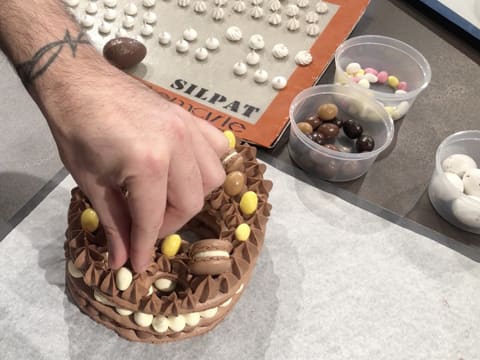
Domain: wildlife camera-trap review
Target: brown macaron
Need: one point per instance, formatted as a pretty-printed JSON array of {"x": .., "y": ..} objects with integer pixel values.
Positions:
[
  {"x": 210, "y": 257},
  {"x": 233, "y": 161}
]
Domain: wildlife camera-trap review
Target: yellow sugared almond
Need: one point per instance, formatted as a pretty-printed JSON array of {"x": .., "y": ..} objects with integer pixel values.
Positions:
[
  {"x": 249, "y": 203},
  {"x": 89, "y": 220},
  {"x": 171, "y": 245},
  {"x": 231, "y": 139},
  {"x": 242, "y": 232}
]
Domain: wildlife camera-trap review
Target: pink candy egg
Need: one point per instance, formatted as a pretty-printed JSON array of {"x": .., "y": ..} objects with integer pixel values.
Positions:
[
  {"x": 369, "y": 70},
  {"x": 382, "y": 77},
  {"x": 402, "y": 85}
]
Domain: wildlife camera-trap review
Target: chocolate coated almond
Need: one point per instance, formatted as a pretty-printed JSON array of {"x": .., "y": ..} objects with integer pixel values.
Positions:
[{"x": 124, "y": 52}]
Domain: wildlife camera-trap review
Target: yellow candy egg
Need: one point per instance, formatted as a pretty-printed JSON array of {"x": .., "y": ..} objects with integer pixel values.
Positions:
[
  {"x": 390, "y": 110},
  {"x": 360, "y": 72},
  {"x": 249, "y": 203},
  {"x": 89, "y": 220},
  {"x": 393, "y": 81},
  {"x": 171, "y": 245},
  {"x": 231, "y": 139},
  {"x": 242, "y": 232}
]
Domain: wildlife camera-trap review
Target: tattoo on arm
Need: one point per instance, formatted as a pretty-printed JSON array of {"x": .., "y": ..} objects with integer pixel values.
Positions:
[{"x": 46, "y": 56}]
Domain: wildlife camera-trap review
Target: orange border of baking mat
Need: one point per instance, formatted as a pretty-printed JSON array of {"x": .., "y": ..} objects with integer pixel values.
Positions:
[{"x": 275, "y": 118}]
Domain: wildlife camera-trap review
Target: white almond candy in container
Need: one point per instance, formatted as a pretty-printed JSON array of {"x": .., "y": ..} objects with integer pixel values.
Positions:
[{"x": 454, "y": 188}]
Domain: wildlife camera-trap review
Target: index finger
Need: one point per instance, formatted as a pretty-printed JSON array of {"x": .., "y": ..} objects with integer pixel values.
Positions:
[{"x": 147, "y": 201}]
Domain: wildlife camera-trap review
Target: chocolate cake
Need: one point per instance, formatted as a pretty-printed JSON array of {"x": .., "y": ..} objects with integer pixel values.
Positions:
[{"x": 196, "y": 276}]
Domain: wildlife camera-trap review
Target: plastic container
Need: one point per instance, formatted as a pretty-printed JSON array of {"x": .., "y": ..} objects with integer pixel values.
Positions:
[
  {"x": 453, "y": 205},
  {"x": 393, "y": 56},
  {"x": 347, "y": 164}
]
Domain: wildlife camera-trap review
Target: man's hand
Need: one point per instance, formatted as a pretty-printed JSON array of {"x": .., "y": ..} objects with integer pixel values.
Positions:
[{"x": 114, "y": 135}]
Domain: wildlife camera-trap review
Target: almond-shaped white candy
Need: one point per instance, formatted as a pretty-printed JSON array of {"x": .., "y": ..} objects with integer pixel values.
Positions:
[
  {"x": 471, "y": 182},
  {"x": 218, "y": 13},
  {"x": 233, "y": 33},
  {"x": 149, "y": 3},
  {"x": 150, "y": 17},
  {"x": 192, "y": 319},
  {"x": 110, "y": 3},
  {"x": 123, "y": 312},
  {"x": 123, "y": 278},
  {"x": 128, "y": 22},
  {"x": 101, "y": 298},
  {"x": 279, "y": 51},
  {"x": 91, "y": 8},
  {"x": 182, "y": 46},
  {"x": 260, "y": 76},
  {"x": 458, "y": 164},
  {"x": 212, "y": 43},
  {"x": 239, "y": 68},
  {"x": 209, "y": 313},
  {"x": 279, "y": 82},
  {"x": 164, "y": 38},
  {"x": 256, "y": 42},
  {"x": 143, "y": 319},
  {"x": 73, "y": 270},
  {"x": 467, "y": 211},
  {"x": 131, "y": 9},
  {"x": 190, "y": 34},
  {"x": 201, "y": 54},
  {"x": 199, "y": 6},
  {"x": 176, "y": 323},
  {"x": 239, "y": 6},
  {"x": 274, "y": 19},
  {"x": 256, "y": 12},
  {"x": 252, "y": 58},
  {"x": 146, "y": 30},
  {"x": 87, "y": 21},
  {"x": 455, "y": 180},
  {"x": 303, "y": 58},
  {"x": 160, "y": 323},
  {"x": 165, "y": 285},
  {"x": 110, "y": 14}
]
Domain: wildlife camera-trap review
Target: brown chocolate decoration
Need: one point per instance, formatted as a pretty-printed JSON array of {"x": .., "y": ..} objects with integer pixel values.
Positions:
[
  {"x": 124, "y": 52},
  {"x": 234, "y": 183},
  {"x": 209, "y": 281}
]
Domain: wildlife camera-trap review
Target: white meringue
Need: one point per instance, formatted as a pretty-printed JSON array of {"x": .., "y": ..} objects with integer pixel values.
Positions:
[
  {"x": 121, "y": 32},
  {"x": 291, "y": 10},
  {"x": 149, "y": 3},
  {"x": 128, "y": 22},
  {"x": 279, "y": 82},
  {"x": 274, "y": 5},
  {"x": 110, "y": 3},
  {"x": 256, "y": 42},
  {"x": 257, "y": 2},
  {"x": 104, "y": 28},
  {"x": 182, "y": 46},
  {"x": 146, "y": 30},
  {"x": 239, "y": 68},
  {"x": 302, "y": 3},
  {"x": 311, "y": 17},
  {"x": 164, "y": 38},
  {"x": 321, "y": 7},
  {"x": 199, "y": 6},
  {"x": 218, "y": 13},
  {"x": 293, "y": 24},
  {"x": 303, "y": 58},
  {"x": 280, "y": 51},
  {"x": 260, "y": 76},
  {"x": 87, "y": 21},
  {"x": 312, "y": 30},
  {"x": 201, "y": 54},
  {"x": 252, "y": 58},
  {"x": 274, "y": 19},
  {"x": 233, "y": 33},
  {"x": 190, "y": 34},
  {"x": 212, "y": 43},
  {"x": 110, "y": 14},
  {"x": 183, "y": 3},
  {"x": 220, "y": 2},
  {"x": 91, "y": 8},
  {"x": 256, "y": 12},
  {"x": 150, "y": 17},
  {"x": 131, "y": 9},
  {"x": 71, "y": 3},
  {"x": 239, "y": 6}
]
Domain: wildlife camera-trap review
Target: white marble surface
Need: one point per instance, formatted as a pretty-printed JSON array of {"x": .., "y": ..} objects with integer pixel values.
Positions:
[{"x": 333, "y": 282}]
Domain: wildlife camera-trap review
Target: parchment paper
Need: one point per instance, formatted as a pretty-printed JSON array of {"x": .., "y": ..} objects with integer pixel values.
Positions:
[{"x": 333, "y": 282}]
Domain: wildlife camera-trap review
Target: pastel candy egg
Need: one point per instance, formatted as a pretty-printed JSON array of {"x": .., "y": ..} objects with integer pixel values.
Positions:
[
  {"x": 360, "y": 72},
  {"x": 402, "y": 85},
  {"x": 171, "y": 245},
  {"x": 165, "y": 285},
  {"x": 142, "y": 319},
  {"x": 455, "y": 180},
  {"x": 382, "y": 77},
  {"x": 371, "y": 78},
  {"x": 392, "y": 81},
  {"x": 467, "y": 211},
  {"x": 364, "y": 83},
  {"x": 234, "y": 183},
  {"x": 370, "y": 70},
  {"x": 123, "y": 278},
  {"x": 231, "y": 139},
  {"x": 192, "y": 319},
  {"x": 458, "y": 164},
  {"x": 160, "y": 323},
  {"x": 242, "y": 232},
  {"x": 89, "y": 220},
  {"x": 353, "y": 68},
  {"x": 249, "y": 203},
  {"x": 471, "y": 182}
]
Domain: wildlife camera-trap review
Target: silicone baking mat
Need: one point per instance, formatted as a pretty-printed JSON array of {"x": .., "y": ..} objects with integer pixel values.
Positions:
[{"x": 209, "y": 89}]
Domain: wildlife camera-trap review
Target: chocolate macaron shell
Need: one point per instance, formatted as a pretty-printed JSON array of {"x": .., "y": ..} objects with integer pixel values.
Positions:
[
  {"x": 205, "y": 259},
  {"x": 210, "y": 265},
  {"x": 210, "y": 245},
  {"x": 233, "y": 161}
]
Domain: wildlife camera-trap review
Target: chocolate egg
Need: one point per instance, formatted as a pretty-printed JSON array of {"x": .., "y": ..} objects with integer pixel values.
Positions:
[
  {"x": 329, "y": 130},
  {"x": 365, "y": 143},
  {"x": 124, "y": 52},
  {"x": 352, "y": 129},
  {"x": 327, "y": 112},
  {"x": 314, "y": 121},
  {"x": 318, "y": 137},
  {"x": 305, "y": 127},
  {"x": 234, "y": 183},
  {"x": 233, "y": 162}
]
